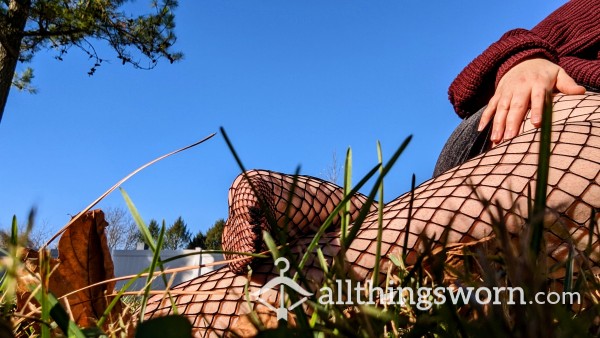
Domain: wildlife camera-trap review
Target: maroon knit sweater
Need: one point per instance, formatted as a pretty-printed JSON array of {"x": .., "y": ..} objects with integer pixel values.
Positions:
[{"x": 570, "y": 37}]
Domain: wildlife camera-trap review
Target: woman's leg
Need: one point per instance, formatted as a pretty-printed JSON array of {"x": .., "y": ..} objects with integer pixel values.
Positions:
[
  {"x": 451, "y": 202},
  {"x": 502, "y": 177},
  {"x": 308, "y": 202}
]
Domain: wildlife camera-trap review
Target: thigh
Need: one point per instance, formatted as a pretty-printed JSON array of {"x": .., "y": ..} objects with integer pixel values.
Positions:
[{"x": 570, "y": 108}]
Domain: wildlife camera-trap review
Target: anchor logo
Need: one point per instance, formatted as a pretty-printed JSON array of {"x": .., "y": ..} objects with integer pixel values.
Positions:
[{"x": 282, "y": 281}]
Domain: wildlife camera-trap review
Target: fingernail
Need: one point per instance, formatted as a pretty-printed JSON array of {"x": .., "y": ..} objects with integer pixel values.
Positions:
[
  {"x": 510, "y": 133},
  {"x": 495, "y": 136},
  {"x": 535, "y": 119},
  {"x": 480, "y": 127}
]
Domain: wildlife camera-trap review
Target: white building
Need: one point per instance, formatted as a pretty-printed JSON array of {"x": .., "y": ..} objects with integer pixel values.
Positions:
[{"x": 131, "y": 262}]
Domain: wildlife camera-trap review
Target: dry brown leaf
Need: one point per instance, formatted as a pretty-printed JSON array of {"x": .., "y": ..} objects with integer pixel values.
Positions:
[{"x": 84, "y": 259}]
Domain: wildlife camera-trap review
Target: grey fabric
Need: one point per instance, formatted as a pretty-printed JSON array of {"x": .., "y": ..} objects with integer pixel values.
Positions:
[{"x": 464, "y": 143}]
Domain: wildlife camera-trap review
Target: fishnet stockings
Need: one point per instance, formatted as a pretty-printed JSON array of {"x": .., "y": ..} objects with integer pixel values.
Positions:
[
  {"x": 452, "y": 201},
  {"x": 308, "y": 202}
]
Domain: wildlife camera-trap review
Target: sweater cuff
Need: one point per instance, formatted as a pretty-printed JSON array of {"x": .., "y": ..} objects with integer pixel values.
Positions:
[
  {"x": 522, "y": 56},
  {"x": 475, "y": 85}
]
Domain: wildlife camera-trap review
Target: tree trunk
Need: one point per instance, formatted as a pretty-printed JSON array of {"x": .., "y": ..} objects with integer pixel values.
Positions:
[{"x": 12, "y": 26}]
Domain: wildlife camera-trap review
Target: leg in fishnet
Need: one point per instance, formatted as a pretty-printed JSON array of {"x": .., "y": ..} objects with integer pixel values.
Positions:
[
  {"x": 453, "y": 202},
  {"x": 297, "y": 207}
]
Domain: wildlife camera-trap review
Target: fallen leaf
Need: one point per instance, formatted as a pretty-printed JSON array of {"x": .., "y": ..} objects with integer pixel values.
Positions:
[{"x": 84, "y": 259}]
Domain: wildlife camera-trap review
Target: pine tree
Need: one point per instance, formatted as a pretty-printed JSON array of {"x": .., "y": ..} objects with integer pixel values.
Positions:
[
  {"x": 28, "y": 26},
  {"x": 214, "y": 234},
  {"x": 199, "y": 241},
  {"x": 154, "y": 230},
  {"x": 177, "y": 236}
]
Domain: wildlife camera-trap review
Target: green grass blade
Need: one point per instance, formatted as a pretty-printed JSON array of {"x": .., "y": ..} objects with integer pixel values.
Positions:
[
  {"x": 14, "y": 232},
  {"x": 331, "y": 216},
  {"x": 371, "y": 197},
  {"x": 155, "y": 261},
  {"x": 9, "y": 272},
  {"x": 44, "y": 298},
  {"x": 261, "y": 201},
  {"x": 118, "y": 297},
  {"x": 539, "y": 204},
  {"x": 30, "y": 222},
  {"x": 282, "y": 234},
  {"x": 139, "y": 221},
  {"x": 322, "y": 261},
  {"x": 271, "y": 245},
  {"x": 253, "y": 316},
  {"x": 588, "y": 249},
  {"x": 58, "y": 314},
  {"x": 568, "y": 284},
  {"x": 347, "y": 188},
  {"x": 380, "y": 206},
  {"x": 130, "y": 282},
  {"x": 529, "y": 201},
  {"x": 409, "y": 219},
  {"x": 147, "y": 237}
]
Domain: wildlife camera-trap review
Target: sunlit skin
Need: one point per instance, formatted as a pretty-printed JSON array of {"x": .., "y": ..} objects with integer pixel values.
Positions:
[
  {"x": 522, "y": 88},
  {"x": 451, "y": 202}
]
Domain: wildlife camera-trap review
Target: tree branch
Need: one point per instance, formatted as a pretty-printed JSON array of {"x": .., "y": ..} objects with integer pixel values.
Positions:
[{"x": 45, "y": 33}]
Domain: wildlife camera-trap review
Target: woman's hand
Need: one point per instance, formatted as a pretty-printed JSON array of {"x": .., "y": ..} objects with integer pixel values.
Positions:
[{"x": 524, "y": 86}]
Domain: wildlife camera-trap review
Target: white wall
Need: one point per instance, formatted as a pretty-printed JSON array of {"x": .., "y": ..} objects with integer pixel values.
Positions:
[{"x": 131, "y": 262}]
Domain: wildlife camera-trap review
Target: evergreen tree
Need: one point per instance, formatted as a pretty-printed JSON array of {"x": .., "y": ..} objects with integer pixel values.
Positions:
[
  {"x": 177, "y": 236},
  {"x": 28, "y": 26},
  {"x": 199, "y": 241},
  {"x": 154, "y": 230},
  {"x": 214, "y": 234}
]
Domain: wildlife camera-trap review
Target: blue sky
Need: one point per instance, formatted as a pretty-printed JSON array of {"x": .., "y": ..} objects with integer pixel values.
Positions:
[{"x": 291, "y": 81}]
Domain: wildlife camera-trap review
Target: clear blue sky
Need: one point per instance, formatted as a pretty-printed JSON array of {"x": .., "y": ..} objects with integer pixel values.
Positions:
[{"x": 290, "y": 81}]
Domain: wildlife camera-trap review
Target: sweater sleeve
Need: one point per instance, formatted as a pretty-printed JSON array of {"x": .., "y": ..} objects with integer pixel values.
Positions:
[
  {"x": 475, "y": 85},
  {"x": 583, "y": 71}
]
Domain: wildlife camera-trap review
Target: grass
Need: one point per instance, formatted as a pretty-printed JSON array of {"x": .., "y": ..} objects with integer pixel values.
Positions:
[{"x": 498, "y": 261}]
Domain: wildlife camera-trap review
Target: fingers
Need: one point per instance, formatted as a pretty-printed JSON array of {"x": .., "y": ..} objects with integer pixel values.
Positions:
[
  {"x": 538, "y": 96},
  {"x": 500, "y": 118},
  {"x": 518, "y": 109},
  {"x": 522, "y": 87},
  {"x": 565, "y": 84},
  {"x": 508, "y": 115},
  {"x": 488, "y": 113}
]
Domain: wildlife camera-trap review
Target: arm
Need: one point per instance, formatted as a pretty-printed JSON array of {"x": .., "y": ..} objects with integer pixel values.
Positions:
[
  {"x": 454, "y": 202},
  {"x": 475, "y": 85},
  {"x": 506, "y": 77},
  {"x": 524, "y": 86}
]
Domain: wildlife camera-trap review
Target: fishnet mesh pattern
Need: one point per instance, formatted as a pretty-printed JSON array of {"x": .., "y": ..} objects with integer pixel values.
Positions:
[
  {"x": 308, "y": 202},
  {"x": 451, "y": 201}
]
